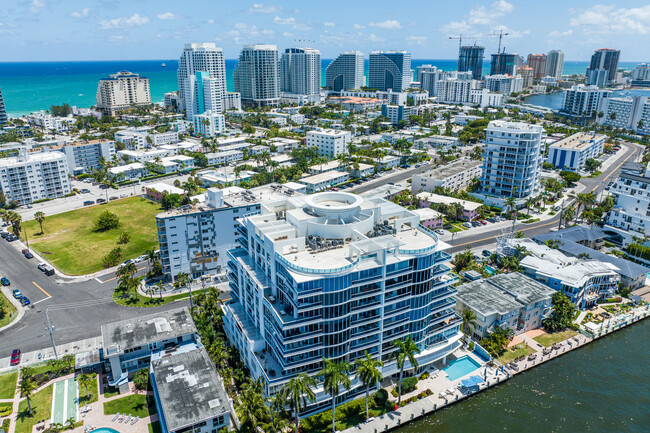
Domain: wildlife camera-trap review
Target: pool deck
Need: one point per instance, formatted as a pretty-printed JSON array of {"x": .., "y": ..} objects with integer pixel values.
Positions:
[{"x": 493, "y": 376}]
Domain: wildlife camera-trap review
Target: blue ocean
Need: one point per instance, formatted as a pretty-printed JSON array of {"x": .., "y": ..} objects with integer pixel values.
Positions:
[{"x": 32, "y": 86}]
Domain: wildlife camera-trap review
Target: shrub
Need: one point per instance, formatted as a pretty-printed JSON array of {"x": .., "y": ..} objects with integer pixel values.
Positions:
[
  {"x": 409, "y": 384},
  {"x": 380, "y": 397},
  {"x": 106, "y": 221},
  {"x": 424, "y": 375},
  {"x": 112, "y": 258},
  {"x": 5, "y": 410},
  {"x": 393, "y": 392},
  {"x": 471, "y": 345},
  {"x": 403, "y": 403},
  {"x": 124, "y": 238},
  {"x": 5, "y": 424},
  {"x": 141, "y": 379}
]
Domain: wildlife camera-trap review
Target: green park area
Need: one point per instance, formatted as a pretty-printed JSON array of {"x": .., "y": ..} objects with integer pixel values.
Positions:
[
  {"x": 547, "y": 340},
  {"x": 515, "y": 352},
  {"x": 135, "y": 404},
  {"x": 7, "y": 311},
  {"x": 71, "y": 243},
  {"x": 41, "y": 409},
  {"x": 8, "y": 385}
]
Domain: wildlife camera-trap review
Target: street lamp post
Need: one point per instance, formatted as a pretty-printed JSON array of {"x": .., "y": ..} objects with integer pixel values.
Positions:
[{"x": 50, "y": 329}]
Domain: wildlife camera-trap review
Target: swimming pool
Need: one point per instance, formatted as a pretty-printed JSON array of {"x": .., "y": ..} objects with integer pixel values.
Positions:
[
  {"x": 460, "y": 367},
  {"x": 105, "y": 430}
]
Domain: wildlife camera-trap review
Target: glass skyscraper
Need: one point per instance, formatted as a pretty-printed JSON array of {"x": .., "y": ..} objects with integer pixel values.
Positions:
[{"x": 471, "y": 59}]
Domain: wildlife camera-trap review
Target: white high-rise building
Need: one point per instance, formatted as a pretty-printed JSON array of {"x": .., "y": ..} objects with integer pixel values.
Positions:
[
  {"x": 504, "y": 84},
  {"x": 257, "y": 76},
  {"x": 122, "y": 91},
  {"x": 345, "y": 72},
  {"x": 34, "y": 176},
  {"x": 199, "y": 57},
  {"x": 300, "y": 72},
  {"x": 631, "y": 113},
  {"x": 390, "y": 70},
  {"x": 456, "y": 91},
  {"x": 554, "y": 64},
  {"x": 3, "y": 111},
  {"x": 330, "y": 142},
  {"x": 583, "y": 100},
  {"x": 630, "y": 216},
  {"x": 512, "y": 159},
  {"x": 334, "y": 275}
]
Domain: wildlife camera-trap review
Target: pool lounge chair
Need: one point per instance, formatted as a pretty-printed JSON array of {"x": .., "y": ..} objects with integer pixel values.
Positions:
[
  {"x": 134, "y": 420},
  {"x": 128, "y": 418},
  {"x": 117, "y": 415}
]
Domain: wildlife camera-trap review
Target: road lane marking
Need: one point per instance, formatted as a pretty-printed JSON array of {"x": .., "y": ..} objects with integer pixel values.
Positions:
[
  {"x": 494, "y": 237},
  {"x": 44, "y": 299},
  {"x": 48, "y": 295}
]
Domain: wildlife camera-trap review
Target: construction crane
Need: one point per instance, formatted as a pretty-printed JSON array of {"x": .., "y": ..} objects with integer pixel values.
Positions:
[
  {"x": 460, "y": 44},
  {"x": 501, "y": 34}
]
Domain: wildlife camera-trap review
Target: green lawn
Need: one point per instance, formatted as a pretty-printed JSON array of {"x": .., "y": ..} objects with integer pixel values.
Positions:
[
  {"x": 146, "y": 301},
  {"x": 8, "y": 385},
  {"x": 136, "y": 405},
  {"x": 92, "y": 389},
  {"x": 514, "y": 352},
  {"x": 41, "y": 409},
  {"x": 70, "y": 244},
  {"x": 7, "y": 311},
  {"x": 548, "y": 340}
]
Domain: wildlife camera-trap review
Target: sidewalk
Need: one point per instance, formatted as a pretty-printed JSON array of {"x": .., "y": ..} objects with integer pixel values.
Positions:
[{"x": 28, "y": 358}]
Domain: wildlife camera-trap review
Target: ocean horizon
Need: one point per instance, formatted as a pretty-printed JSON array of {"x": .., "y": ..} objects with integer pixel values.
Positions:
[{"x": 29, "y": 87}]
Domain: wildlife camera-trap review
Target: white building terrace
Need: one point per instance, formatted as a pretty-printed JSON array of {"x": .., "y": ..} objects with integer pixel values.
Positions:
[
  {"x": 321, "y": 181},
  {"x": 455, "y": 176}
]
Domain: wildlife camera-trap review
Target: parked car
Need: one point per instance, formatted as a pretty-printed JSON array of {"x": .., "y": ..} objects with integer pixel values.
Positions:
[
  {"x": 15, "y": 357},
  {"x": 467, "y": 225},
  {"x": 486, "y": 253},
  {"x": 440, "y": 231},
  {"x": 42, "y": 266},
  {"x": 25, "y": 301},
  {"x": 101, "y": 200},
  {"x": 475, "y": 223},
  {"x": 24, "y": 251},
  {"x": 5, "y": 281},
  {"x": 102, "y": 186},
  {"x": 85, "y": 191},
  {"x": 556, "y": 208},
  {"x": 492, "y": 219},
  {"x": 29, "y": 255},
  {"x": 88, "y": 202},
  {"x": 4, "y": 234},
  {"x": 113, "y": 198},
  {"x": 16, "y": 293},
  {"x": 484, "y": 222},
  {"x": 11, "y": 237}
]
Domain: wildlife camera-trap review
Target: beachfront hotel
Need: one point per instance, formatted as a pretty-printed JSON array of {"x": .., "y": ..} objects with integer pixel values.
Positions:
[
  {"x": 333, "y": 275},
  {"x": 257, "y": 75},
  {"x": 122, "y": 91},
  {"x": 300, "y": 70},
  {"x": 390, "y": 70},
  {"x": 345, "y": 72}
]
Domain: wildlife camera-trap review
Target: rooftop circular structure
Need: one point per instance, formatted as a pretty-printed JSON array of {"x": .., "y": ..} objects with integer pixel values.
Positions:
[{"x": 334, "y": 204}]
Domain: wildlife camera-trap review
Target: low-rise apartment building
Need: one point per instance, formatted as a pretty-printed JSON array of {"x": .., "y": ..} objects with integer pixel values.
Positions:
[
  {"x": 84, "y": 157},
  {"x": 282, "y": 145},
  {"x": 429, "y": 218},
  {"x": 512, "y": 301},
  {"x": 389, "y": 162},
  {"x": 321, "y": 181},
  {"x": 225, "y": 157},
  {"x": 34, "y": 176},
  {"x": 330, "y": 142},
  {"x": 470, "y": 208},
  {"x": 132, "y": 171},
  {"x": 572, "y": 152},
  {"x": 455, "y": 176},
  {"x": 439, "y": 142}
]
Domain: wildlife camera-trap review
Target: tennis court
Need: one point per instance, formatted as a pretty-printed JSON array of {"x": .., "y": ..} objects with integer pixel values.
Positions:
[{"x": 64, "y": 401}]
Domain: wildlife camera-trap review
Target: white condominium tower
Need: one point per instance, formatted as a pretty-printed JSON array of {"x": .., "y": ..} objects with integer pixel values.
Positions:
[
  {"x": 257, "y": 75},
  {"x": 3, "y": 111},
  {"x": 512, "y": 159},
  {"x": 300, "y": 71},
  {"x": 201, "y": 79},
  {"x": 122, "y": 91},
  {"x": 335, "y": 275},
  {"x": 345, "y": 72},
  {"x": 390, "y": 70},
  {"x": 34, "y": 176}
]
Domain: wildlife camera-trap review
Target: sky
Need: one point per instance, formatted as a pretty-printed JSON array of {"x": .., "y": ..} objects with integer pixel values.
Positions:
[{"x": 51, "y": 30}]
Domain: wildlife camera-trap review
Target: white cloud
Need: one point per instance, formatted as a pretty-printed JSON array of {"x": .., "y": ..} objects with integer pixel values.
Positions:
[
  {"x": 210, "y": 21},
  {"x": 259, "y": 8},
  {"x": 80, "y": 14},
  {"x": 374, "y": 38},
  {"x": 455, "y": 27},
  {"x": 419, "y": 40},
  {"x": 168, "y": 16},
  {"x": 484, "y": 16},
  {"x": 242, "y": 32},
  {"x": 358, "y": 26},
  {"x": 267, "y": 32},
  {"x": 329, "y": 24},
  {"x": 609, "y": 19},
  {"x": 557, "y": 33},
  {"x": 512, "y": 34},
  {"x": 387, "y": 25},
  {"x": 132, "y": 21},
  {"x": 287, "y": 34},
  {"x": 284, "y": 21},
  {"x": 36, "y": 6}
]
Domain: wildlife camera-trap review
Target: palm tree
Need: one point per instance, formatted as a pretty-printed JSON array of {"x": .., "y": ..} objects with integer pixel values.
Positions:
[
  {"x": 529, "y": 203},
  {"x": 569, "y": 214},
  {"x": 252, "y": 410},
  {"x": 469, "y": 320},
  {"x": 219, "y": 354},
  {"x": 40, "y": 217},
  {"x": 161, "y": 287},
  {"x": 335, "y": 376},
  {"x": 368, "y": 373},
  {"x": 86, "y": 379},
  {"x": 277, "y": 424},
  {"x": 14, "y": 219},
  {"x": 27, "y": 387},
  {"x": 406, "y": 349},
  {"x": 511, "y": 205},
  {"x": 298, "y": 391}
]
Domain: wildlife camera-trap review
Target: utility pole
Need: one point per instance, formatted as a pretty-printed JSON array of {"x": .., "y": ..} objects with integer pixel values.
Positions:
[
  {"x": 26, "y": 240},
  {"x": 50, "y": 329},
  {"x": 559, "y": 226}
]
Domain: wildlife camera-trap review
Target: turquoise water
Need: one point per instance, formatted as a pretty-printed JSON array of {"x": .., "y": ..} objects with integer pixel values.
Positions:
[
  {"x": 461, "y": 367},
  {"x": 490, "y": 270},
  {"x": 600, "y": 387},
  {"x": 105, "y": 430},
  {"x": 32, "y": 86}
]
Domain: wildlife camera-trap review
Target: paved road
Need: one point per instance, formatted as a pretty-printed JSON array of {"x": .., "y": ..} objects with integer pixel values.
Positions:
[
  {"x": 396, "y": 176},
  {"x": 77, "y": 308},
  {"x": 594, "y": 185}
]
